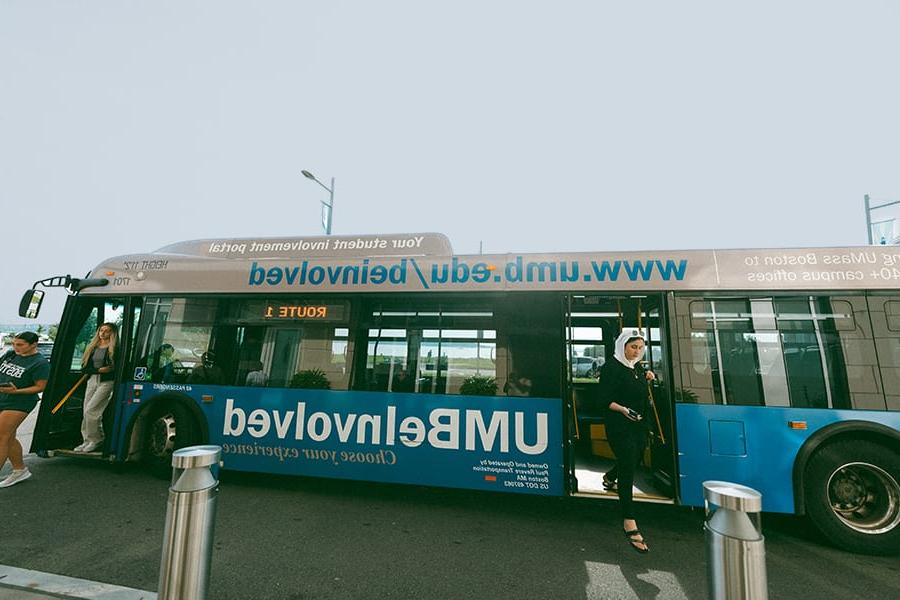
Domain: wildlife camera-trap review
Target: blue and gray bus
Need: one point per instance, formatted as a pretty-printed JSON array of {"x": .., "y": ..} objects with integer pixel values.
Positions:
[{"x": 389, "y": 358}]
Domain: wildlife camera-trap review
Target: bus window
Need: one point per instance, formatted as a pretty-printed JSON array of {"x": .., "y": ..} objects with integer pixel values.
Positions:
[
  {"x": 173, "y": 335},
  {"x": 108, "y": 312},
  {"x": 83, "y": 338},
  {"x": 799, "y": 351},
  {"x": 529, "y": 331},
  {"x": 290, "y": 342},
  {"x": 813, "y": 353},
  {"x": 432, "y": 350},
  {"x": 386, "y": 359},
  {"x": 587, "y": 353},
  {"x": 885, "y": 314}
]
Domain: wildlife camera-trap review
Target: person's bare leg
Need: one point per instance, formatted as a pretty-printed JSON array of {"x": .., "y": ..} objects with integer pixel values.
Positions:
[
  {"x": 15, "y": 454},
  {"x": 9, "y": 446}
]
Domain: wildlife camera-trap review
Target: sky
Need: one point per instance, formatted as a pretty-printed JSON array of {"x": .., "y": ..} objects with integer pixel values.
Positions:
[{"x": 509, "y": 126}]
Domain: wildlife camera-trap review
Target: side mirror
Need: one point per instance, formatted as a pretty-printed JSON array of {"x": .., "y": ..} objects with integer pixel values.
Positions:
[{"x": 30, "y": 305}]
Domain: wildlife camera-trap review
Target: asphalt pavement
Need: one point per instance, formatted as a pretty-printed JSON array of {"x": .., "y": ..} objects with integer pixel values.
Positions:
[
  {"x": 296, "y": 538},
  {"x": 25, "y": 584}
]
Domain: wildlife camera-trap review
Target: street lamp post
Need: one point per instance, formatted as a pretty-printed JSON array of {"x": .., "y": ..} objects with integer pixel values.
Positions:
[
  {"x": 868, "y": 218},
  {"x": 329, "y": 206},
  {"x": 869, "y": 209}
]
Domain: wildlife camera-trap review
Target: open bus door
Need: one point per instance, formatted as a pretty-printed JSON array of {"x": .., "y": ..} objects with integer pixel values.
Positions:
[
  {"x": 58, "y": 425},
  {"x": 592, "y": 324}
]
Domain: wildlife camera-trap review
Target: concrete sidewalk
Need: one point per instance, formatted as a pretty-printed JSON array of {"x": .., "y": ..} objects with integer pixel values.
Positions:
[
  {"x": 26, "y": 431},
  {"x": 22, "y": 584}
]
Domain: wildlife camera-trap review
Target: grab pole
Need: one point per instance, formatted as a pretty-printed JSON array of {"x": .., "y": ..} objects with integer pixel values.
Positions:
[{"x": 66, "y": 397}]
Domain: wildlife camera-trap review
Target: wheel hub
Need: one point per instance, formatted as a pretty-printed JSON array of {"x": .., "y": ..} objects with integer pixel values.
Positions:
[
  {"x": 848, "y": 492},
  {"x": 162, "y": 436},
  {"x": 865, "y": 497}
]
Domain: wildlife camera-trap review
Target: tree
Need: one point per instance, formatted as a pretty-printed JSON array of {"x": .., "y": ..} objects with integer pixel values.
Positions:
[{"x": 86, "y": 333}]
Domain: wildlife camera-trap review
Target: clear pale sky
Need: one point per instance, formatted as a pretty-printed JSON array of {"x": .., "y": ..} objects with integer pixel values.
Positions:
[{"x": 526, "y": 126}]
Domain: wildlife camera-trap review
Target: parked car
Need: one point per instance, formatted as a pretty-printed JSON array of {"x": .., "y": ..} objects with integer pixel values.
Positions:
[
  {"x": 45, "y": 348},
  {"x": 582, "y": 366}
]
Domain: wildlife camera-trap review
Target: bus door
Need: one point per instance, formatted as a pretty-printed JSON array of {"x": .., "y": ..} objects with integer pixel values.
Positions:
[
  {"x": 592, "y": 324},
  {"x": 58, "y": 426}
]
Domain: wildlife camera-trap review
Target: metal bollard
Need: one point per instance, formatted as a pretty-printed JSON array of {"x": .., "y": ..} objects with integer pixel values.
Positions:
[
  {"x": 735, "y": 547},
  {"x": 191, "y": 513}
]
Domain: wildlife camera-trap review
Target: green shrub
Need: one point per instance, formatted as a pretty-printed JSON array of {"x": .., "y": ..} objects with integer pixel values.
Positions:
[
  {"x": 686, "y": 396},
  {"x": 477, "y": 385},
  {"x": 311, "y": 379}
]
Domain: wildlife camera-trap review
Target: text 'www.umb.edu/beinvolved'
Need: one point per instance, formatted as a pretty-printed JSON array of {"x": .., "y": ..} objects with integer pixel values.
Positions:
[{"x": 456, "y": 271}]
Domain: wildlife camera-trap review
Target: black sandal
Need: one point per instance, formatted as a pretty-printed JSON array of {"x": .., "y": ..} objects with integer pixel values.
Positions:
[
  {"x": 632, "y": 540},
  {"x": 610, "y": 485}
]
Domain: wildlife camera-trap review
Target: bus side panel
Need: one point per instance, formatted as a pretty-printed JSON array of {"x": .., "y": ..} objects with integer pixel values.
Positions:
[
  {"x": 124, "y": 397},
  {"x": 474, "y": 442},
  {"x": 752, "y": 446}
]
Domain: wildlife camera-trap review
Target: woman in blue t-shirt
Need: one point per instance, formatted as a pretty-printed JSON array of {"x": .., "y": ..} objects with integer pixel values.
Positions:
[{"x": 23, "y": 375}]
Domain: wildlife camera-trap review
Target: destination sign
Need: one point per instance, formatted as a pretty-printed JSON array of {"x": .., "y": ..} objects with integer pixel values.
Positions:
[{"x": 309, "y": 312}]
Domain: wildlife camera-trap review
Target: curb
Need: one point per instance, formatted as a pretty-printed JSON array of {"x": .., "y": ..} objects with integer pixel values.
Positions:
[{"x": 42, "y": 585}]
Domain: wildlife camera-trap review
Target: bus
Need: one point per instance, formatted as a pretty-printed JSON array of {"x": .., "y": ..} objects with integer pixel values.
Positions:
[{"x": 389, "y": 358}]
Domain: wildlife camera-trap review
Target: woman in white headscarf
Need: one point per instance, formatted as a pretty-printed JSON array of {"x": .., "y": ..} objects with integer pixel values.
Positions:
[{"x": 623, "y": 390}]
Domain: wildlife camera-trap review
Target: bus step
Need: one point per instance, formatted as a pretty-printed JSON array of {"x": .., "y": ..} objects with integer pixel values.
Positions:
[{"x": 66, "y": 452}]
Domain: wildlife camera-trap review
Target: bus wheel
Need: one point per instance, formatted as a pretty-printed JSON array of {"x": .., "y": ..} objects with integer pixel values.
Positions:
[
  {"x": 169, "y": 428},
  {"x": 853, "y": 496}
]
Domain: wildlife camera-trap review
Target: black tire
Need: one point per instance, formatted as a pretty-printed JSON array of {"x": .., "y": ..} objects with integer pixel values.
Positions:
[
  {"x": 853, "y": 496},
  {"x": 169, "y": 427}
]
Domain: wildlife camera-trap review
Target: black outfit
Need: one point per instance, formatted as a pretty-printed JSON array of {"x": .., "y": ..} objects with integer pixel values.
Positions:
[
  {"x": 628, "y": 438},
  {"x": 211, "y": 375}
]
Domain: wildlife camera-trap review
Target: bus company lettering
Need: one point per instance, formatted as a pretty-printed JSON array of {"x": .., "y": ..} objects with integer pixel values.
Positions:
[
  {"x": 334, "y": 274},
  {"x": 461, "y": 271},
  {"x": 378, "y": 243},
  {"x": 283, "y": 453},
  {"x": 814, "y": 268},
  {"x": 222, "y": 247},
  {"x": 862, "y": 258},
  {"x": 811, "y": 258},
  {"x": 442, "y": 430}
]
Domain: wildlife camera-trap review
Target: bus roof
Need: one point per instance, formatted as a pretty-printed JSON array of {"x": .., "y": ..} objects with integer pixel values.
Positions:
[{"x": 425, "y": 262}]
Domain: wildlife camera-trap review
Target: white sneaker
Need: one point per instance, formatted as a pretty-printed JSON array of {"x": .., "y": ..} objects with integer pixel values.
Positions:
[
  {"x": 90, "y": 446},
  {"x": 15, "y": 477},
  {"x": 79, "y": 447}
]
